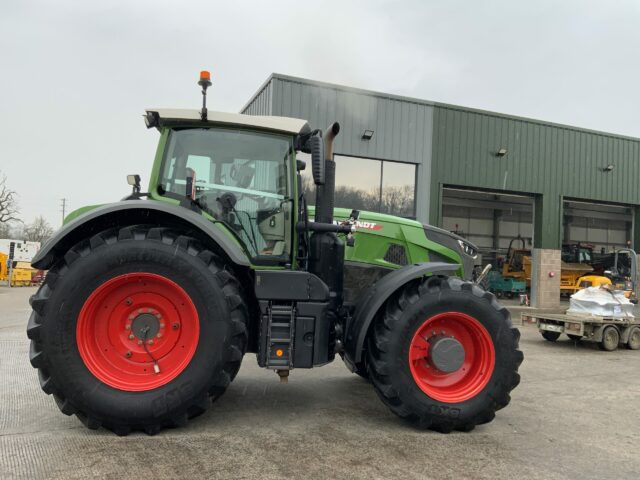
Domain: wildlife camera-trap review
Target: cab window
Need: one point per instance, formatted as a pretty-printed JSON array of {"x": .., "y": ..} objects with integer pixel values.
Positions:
[{"x": 241, "y": 178}]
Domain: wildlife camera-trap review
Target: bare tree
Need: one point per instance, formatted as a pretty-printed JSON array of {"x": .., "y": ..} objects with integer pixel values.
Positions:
[
  {"x": 5, "y": 230},
  {"x": 8, "y": 203},
  {"x": 395, "y": 200},
  {"x": 38, "y": 231}
]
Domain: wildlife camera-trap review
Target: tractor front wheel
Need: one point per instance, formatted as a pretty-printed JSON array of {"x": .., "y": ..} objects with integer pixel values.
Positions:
[
  {"x": 137, "y": 329},
  {"x": 444, "y": 355}
]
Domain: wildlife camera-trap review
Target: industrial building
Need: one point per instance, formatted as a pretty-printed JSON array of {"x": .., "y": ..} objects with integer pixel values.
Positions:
[{"x": 487, "y": 176}]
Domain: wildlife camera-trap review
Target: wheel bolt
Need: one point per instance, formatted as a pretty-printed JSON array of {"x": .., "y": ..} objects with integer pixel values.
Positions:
[
  {"x": 159, "y": 335},
  {"x": 127, "y": 327},
  {"x": 128, "y": 354},
  {"x": 139, "y": 342},
  {"x": 132, "y": 336},
  {"x": 158, "y": 316},
  {"x": 175, "y": 326},
  {"x": 150, "y": 342},
  {"x": 162, "y": 325}
]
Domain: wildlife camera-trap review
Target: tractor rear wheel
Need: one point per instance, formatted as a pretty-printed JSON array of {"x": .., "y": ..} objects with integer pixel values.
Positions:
[
  {"x": 137, "y": 329},
  {"x": 443, "y": 355}
]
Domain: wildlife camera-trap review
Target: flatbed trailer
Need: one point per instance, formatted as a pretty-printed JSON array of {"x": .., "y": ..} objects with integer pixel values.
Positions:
[{"x": 608, "y": 332}]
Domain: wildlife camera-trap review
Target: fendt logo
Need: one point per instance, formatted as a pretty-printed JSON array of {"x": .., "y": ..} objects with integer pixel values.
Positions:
[{"x": 368, "y": 225}]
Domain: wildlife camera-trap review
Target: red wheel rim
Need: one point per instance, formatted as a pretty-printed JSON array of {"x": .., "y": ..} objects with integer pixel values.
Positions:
[
  {"x": 111, "y": 316},
  {"x": 479, "y": 357}
]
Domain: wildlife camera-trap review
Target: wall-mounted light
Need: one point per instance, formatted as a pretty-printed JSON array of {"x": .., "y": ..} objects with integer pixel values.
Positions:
[
  {"x": 608, "y": 168},
  {"x": 367, "y": 135},
  {"x": 502, "y": 152}
]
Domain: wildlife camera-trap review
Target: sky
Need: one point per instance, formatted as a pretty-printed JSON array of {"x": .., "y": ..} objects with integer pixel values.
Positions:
[{"x": 76, "y": 76}]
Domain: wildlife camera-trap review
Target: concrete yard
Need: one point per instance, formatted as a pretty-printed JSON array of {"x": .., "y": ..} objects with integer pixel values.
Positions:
[{"x": 574, "y": 415}]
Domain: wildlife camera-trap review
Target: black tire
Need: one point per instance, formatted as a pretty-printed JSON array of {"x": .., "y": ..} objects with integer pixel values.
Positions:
[
  {"x": 634, "y": 339},
  {"x": 550, "y": 336},
  {"x": 361, "y": 368},
  {"x": 575, "y": 338},
  {"x": 610, "y": 339},
  {"x": 362, "y": 373},
  {"x": 391, "y": 336},
  {"x": 221, "y": 343}
]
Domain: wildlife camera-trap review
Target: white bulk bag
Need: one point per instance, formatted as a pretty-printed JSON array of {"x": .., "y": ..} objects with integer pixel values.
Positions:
[{"x": 598, "y": 301}]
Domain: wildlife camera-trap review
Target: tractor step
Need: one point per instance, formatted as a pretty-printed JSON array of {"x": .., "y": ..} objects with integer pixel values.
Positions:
[
  {"x": 279, "y": 324},
  {"x": 295, "y": 334}
]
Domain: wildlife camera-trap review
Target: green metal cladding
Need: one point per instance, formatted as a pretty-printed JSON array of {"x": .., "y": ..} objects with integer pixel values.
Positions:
[
  {"x": 456, "y": 146},
  {"x": 550, "y": 161}
]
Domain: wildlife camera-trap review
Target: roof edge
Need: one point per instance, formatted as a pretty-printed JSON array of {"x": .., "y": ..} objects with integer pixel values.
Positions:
[
  {"x": 391, "y": 96},
  {"x": 257, "y": 93}
]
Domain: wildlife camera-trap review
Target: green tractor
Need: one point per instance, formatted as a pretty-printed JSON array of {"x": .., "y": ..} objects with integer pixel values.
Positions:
[{"x": 151, "y": 303}]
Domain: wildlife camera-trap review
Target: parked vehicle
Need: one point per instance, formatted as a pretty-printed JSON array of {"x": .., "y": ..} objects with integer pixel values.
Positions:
[{"x": 150, "y": 305}]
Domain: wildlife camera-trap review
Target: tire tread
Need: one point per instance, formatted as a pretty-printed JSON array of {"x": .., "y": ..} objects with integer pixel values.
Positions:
[
  {"x": 380, "y": 336},
  {"x": 231, "y": 291}
]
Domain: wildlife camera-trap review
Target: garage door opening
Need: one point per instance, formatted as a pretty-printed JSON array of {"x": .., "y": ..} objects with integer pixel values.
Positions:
[
  {"x": 490, "y": 220},
  {"x": 605, "y": 227}
]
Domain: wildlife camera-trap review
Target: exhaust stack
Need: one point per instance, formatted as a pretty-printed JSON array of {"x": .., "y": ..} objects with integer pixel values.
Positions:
[{"x": 325, "y": 193}]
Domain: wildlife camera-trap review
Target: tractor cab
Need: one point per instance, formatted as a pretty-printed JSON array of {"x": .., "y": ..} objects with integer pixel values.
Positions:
[
  {"x": 241, "y": 178},
  {"x": 239, "y": 171}
]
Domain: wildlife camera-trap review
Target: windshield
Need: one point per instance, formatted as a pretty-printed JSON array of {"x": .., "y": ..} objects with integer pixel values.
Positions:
[{"x": 241, "y": 178}]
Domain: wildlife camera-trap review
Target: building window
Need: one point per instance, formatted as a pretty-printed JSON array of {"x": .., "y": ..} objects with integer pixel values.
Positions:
[
  {"x": 368, "y": 184},
  {"x": 398, "y": 189}
]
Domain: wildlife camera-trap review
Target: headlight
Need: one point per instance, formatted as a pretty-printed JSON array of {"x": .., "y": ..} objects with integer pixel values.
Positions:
[{"x": 468, "y": 249}]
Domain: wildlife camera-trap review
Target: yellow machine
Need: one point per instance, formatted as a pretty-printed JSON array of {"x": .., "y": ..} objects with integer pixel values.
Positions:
[
  {"x": 21, "y": 273},
  {"x": 3, "y": 267},
  {"x": 573, "y": 275},
  {"x": 518, "y": 264},
  {"x": 622, "y": 275}
]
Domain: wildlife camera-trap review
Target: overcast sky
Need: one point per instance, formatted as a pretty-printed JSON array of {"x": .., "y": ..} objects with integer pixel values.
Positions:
[{"x": 77, "y": 75}]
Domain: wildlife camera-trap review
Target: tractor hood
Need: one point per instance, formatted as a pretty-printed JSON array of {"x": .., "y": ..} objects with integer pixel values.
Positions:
[{"x": 392, "y": 242}]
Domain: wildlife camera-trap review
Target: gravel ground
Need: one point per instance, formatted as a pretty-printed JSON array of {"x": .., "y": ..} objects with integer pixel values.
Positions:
[{"x": 573, "y": 416}]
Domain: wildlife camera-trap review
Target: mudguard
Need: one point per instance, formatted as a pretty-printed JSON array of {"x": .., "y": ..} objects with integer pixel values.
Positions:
[
  {"x": 369, "y": 305},
  {"x": 132, "y": 212}
]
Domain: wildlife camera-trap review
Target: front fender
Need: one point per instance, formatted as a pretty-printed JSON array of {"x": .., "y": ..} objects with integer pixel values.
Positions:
[
  {"x": 133, "y": 212},
  {"x": 367, "y": 308}
]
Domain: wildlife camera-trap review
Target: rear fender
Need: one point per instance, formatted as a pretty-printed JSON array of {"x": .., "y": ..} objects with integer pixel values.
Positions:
[
  {"x": 371, "y": 303},
  {"x": 134, "y": 212}
]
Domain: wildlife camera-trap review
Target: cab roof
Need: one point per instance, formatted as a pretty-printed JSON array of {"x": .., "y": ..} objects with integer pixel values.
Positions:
[{"x": 167, "y": 116}]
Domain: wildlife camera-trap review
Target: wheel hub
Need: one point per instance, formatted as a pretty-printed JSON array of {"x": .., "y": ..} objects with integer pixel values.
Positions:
[
  {"x": 137, "y": 331},
  {"x": 446, "y": 354},
  {"x": 145, "y": 326},
  {"x": 451, "y": 357}
]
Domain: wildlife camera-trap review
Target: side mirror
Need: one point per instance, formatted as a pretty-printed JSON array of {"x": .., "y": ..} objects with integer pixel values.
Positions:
[
  {"x": 315, "y": 145},
  {"x": 134, "y": 181}
]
